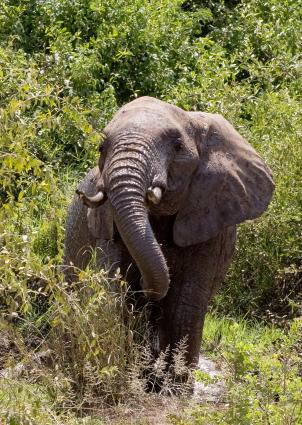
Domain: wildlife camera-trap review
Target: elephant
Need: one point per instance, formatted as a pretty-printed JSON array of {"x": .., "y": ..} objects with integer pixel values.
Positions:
[{"x": 162, "y": 204}]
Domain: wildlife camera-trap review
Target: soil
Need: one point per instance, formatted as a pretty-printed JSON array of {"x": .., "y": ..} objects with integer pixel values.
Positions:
[{"x": 159, "y": 410}]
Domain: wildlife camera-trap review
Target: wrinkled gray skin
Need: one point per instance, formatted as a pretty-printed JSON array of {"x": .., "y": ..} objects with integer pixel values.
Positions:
[{"x": 176, "y": 249}]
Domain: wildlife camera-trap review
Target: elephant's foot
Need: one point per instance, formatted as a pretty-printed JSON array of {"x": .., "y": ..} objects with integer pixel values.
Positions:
[
  {"x": 154, "y": 384},
  {"x": 169, "y": 384}
]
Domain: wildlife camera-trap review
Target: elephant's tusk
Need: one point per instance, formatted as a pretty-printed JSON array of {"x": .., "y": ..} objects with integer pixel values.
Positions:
[
  {"x": 154, "y": 195},
  {"x": 92, "y": 201}
]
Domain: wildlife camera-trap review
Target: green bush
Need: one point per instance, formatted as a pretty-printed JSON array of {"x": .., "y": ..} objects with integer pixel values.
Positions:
[
  {"x": 262, "y": 373},
  {"x": 65, "y": 68}
]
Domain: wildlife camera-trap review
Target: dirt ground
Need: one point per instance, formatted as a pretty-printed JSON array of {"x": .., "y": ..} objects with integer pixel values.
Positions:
[{"x": 159, "y": 410}]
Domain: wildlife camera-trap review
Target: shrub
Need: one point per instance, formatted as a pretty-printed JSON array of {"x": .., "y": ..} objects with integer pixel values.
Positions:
[
  {"x": 262, "y": 373},
  {"x": 65, "y": 68}
]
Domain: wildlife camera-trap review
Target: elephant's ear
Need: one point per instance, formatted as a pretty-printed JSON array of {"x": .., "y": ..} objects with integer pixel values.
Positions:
[
  {"x": 231, "y": 184},
  {"x": 100, "y": 222},
  {"x": 99, "y": 219}
]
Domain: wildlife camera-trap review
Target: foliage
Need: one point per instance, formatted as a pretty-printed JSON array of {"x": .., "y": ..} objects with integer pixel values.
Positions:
[
  {"x": 264, "y": 374},
  {"x": 65, "y": 68},
  {"x": 77, "y": 350}
]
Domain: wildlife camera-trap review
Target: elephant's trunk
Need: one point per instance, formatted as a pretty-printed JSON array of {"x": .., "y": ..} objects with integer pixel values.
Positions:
[{"x": 127, "y": 191}]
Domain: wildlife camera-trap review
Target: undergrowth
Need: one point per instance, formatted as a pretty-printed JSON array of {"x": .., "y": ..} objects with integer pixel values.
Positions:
[
  {"x": 80, "y": 350},
  {"x": 260, "y": 367},
  {"x": 262, "y": 374},
  {"x": 65, "y": 68}
]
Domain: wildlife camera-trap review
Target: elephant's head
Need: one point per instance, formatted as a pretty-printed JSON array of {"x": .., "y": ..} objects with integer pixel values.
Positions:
[{"x": 158, "y": 158}]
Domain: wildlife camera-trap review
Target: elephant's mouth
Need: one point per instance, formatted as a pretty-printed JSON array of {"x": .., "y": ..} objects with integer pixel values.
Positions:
[
  {"x": 168, "y": 206},
  {"x": 172, "y": 199}
]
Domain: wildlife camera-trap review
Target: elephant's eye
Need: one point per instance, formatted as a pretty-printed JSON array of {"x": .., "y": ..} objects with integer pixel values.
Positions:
[
  {"x": 101, "y": 148},
  {"x": 178, "y": 145}
]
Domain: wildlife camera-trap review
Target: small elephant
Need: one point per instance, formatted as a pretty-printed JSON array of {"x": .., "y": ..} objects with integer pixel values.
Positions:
[{"x": 163, "y": 204}]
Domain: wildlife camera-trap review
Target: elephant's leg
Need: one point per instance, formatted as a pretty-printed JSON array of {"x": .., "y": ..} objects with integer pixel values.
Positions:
[
  {"x": 183, "y": 315},
  {"x": 108, "y": 256},
  {"x": 196, "y": 274}
]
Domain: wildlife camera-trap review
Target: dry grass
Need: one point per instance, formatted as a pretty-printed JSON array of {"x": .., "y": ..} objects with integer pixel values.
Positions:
[{"x": 92, "y": 356}]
